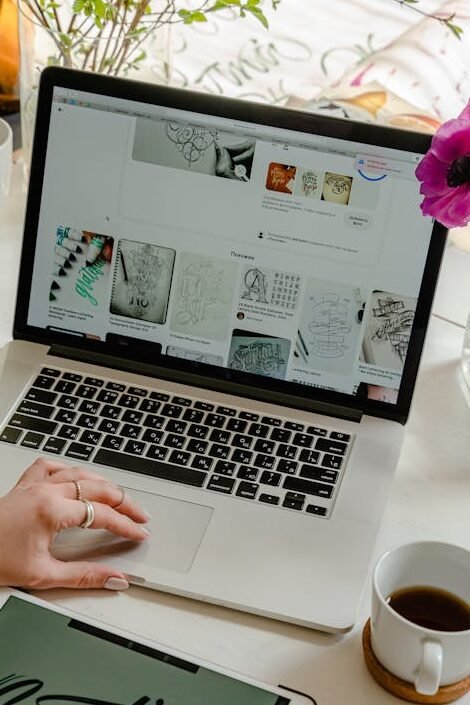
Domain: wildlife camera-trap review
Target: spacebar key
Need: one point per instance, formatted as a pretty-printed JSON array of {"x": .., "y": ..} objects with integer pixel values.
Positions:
[{"x": 155, "y": 468}]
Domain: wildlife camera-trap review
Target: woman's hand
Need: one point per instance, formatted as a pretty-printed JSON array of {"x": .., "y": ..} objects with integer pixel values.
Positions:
[{"x": 43, "y": 502}]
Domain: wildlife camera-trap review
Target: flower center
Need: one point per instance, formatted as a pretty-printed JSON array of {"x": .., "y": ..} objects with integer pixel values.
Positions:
[{"x": 459, "y": 171}]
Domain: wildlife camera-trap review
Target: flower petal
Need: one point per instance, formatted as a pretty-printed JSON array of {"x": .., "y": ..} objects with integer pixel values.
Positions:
[
  {"x": 433, "y": 175},
  {"x": 465, "y": 114},
  {"x": 451, "y": 209},
  {"x": 452, "y": 140}
]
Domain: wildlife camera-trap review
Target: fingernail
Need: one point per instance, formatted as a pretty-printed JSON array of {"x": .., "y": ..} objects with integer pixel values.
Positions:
[
  {"x": 146, "y": 515},
  {"x": 144, "y": 530},
  {"x": 116, "y": 584}
]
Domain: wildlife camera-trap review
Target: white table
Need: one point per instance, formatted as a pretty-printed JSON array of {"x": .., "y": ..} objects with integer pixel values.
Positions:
[{"x": 428, "y": 500}]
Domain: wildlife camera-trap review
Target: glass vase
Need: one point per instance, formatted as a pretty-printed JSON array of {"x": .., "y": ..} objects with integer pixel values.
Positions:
[{"x": 148, "y": 59}]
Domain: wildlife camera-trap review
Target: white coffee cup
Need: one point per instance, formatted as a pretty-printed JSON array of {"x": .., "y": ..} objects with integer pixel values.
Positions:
[
  {"x": 428, "y": 658},
  {"x": 6, "y": 150}
]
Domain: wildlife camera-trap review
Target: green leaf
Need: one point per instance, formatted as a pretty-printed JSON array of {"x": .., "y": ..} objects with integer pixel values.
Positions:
[
  {"x": 455, "y": 29},
  {"x": 65, "y": 39},
  {"x": 100, "y": 9},
  {"x": 256, "y": 12},
  {"x": 78, "y": 6}
]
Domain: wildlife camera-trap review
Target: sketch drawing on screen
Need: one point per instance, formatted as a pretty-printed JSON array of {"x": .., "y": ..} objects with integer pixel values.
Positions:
[
  {"x": 268, "y": 286},
  {"x": 388, "y": 328},
  {"x": 259, "y": 354}
]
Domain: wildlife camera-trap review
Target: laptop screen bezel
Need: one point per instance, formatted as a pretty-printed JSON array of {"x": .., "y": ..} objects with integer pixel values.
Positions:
[{"x": 199, "y": 374}]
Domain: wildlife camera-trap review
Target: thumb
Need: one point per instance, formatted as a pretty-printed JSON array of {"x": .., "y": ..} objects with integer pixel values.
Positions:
[{"x": 83, "y": 574}]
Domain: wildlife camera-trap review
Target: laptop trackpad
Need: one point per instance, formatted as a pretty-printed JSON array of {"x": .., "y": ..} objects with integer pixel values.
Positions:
[{"x": 177, "y": 528}]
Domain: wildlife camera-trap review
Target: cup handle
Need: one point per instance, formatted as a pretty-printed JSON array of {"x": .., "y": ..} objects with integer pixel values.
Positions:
[{"x": 428, "y": 675}]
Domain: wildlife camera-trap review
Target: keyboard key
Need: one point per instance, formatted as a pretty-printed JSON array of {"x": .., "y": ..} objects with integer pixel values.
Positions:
[
  {"x": 110, "y": 412},
  {"x": 247, "y": 473},
  {"x": 315, "y": 473},
  {"x": 33, "y": 408},
  {"x": 248, "y": 416},
  {"x": 332, "y": 461},
  {"x": 294, "y": 500},
  {"x": 331, "y": 446},
  {"x": 218, "y": 451},
  {"x": 72, "y": 377},
  {"x": 241, "y": 456},
  {"x": 149, "y": 405},
  {"x": 157, "y": 452},
  {"x": 91, "y": 437},
  {"x": 65, "y": 416},
  {"x": 67, "y": 402},
  {"x": 303, "y": 440},
  {"x": 159, "y": 396},
  {"x": 340, "y": 436},
  {"x": 174, "y": 440},
  {"x": 180, "y": 457},
  {"x": 237, "y": 425},
  {"x": 89, "y": 407},
  {"x": 220, "y": 436},
  {"x": 316, "y": 431},
  {"x": 264, "y": 446},
  {"x": 137, "y": 391},
  {"x": 10, "y": 435},
  {"x": 247, "y": 490},
  {"x": 108, "y": 426},
  {"x": 182, "y": 401},
  {"x": 128, "y": 401},
  {"x": 32, "y": 423},
  {"x": 32, "y": 440},
  {"x": 270, "y": 478},
  {"x": 69, "y": 432},
  {"x": 287, "y": 466},
  {"x": 50, "y": 372},
  {"x": 172, "y": 410},
  {"x": 314, "y": 509},
  {"x": 259, "y": 430},
  {"x": 135, "y": 447},
  {"x": 294, "y": 426},
  {"x": 54, "y": 445},
  {"x": 115, "y": 386},
  {"x": 220, "y": 483},
  {"x": 132, "y": 416},
  {"x": 79, "y": 451},
  {"x": 271, "y": 421},
  {"x": 113, "y": 442},
  {"x": 196, "y": 446},
  {"x": 154, "y": 468},
  {"x": 226, "y": 411},
  {"x": 87, "y": 421},
  {"x": 285, "y": 451},
  {"x": 215, "y": 420},
  {"x": 225, "y": 467},
  {"x": 196, "y": 431},
  {"x": 93, "y": 381},
  {"x": 107, "y": 396},
  {"x": 281, "y": 434},
  {"x": 193, "y": 415},
  {"x": 268, "y": 498},
  {"x": 152, "y": 436},
  {"x": 202, "y": 462},
  {"x": 130, "y": 431},
  {"x": 309, "y": 456},
  {"x": 203, "y": 405},
  {"x": 152, "y": 421},
  {"x": 43, "y": 382},
  {"x": 264, "y": 461},
  {"x": 297, "y": 484},
  {"x": 176, "y": 426},
  {"x": 86, "y": 391},
  {"x": 240, "y": 441},
  {"x": 41, "y": 395},
  {"x": 65, "y": 387}
]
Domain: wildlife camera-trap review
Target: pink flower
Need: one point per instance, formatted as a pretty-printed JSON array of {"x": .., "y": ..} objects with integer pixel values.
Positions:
[{"x": 444, "y": 173}]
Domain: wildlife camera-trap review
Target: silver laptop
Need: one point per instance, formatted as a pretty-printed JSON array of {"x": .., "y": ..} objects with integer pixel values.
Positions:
[{"x": 221, "y": 307}]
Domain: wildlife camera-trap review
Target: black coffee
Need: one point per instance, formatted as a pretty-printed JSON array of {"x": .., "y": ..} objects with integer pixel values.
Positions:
[{"x": 431, "y": 608}]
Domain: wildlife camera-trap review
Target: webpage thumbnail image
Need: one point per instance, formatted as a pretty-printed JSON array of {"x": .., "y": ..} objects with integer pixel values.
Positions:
[
  {"x": 80, "y": 270},
  {"x": 259, "y": 354},
  {"x": 142, "y": 281},
  {"x": 194, "y": 148}
]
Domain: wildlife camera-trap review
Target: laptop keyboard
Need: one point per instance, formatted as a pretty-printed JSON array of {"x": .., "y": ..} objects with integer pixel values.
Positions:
[{"x": 225, "y": 449}]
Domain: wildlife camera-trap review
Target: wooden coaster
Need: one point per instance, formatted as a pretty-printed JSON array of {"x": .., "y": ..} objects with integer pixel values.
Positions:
[{"x": 402, "y": 689}]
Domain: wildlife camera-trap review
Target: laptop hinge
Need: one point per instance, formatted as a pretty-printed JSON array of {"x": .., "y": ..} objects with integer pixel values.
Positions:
[{"x": 223, "y": 386}]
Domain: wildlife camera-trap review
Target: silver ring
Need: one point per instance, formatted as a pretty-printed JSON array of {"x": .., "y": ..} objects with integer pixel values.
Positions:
[
  {"x": 90, "y": 515},
  {"x": 123, "y": 497},
  {"x": 78, "y": 490}
]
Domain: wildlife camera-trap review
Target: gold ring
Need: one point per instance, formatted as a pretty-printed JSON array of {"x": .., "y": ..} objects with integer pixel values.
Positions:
[
  {"x": 78, "y": 490},
  {"x": 90, "y": 515},
  {"x": 123, "y": 496}
]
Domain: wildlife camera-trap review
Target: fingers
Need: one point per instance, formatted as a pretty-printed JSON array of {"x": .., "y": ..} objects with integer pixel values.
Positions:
[
  {"x": 72, "y": 513},
  {"x": 81, "y": 574},
  {"x": 41, "y": 470},
  {"x": 105, "y": 492}
]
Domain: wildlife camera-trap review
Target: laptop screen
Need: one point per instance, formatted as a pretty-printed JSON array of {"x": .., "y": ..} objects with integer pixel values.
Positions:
[{"x": 218, "y": 243}]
